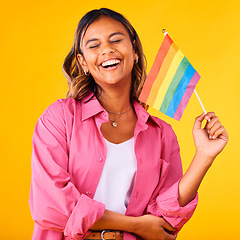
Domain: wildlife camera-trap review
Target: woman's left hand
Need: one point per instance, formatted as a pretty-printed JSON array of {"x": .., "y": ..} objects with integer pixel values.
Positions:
[{"x": 212, "y": 139}]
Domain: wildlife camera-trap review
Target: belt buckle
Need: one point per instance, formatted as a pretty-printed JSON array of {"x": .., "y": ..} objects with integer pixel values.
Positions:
[{"x": 102, "y": 234}]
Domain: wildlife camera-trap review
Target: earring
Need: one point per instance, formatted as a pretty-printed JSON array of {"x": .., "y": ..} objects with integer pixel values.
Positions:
[
  {"x": 86, "y": 72},
  {"x": 136, "y": 60}
]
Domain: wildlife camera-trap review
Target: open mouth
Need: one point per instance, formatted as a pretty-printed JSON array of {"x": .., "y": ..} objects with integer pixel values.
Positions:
[{"x": 109, "y": 64}]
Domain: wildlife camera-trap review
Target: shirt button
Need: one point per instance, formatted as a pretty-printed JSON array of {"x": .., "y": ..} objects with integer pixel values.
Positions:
[
  {"x": 136, "y": 195},
  {"x": 88, "y": 193},
  {"x": 99, "y": 159}
]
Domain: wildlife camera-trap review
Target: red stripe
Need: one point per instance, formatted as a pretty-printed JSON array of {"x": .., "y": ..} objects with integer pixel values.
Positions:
[{"x": 162, "y": 52}]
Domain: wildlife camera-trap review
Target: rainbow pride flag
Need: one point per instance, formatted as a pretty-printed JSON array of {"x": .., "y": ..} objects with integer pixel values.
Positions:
[{"x": 170, "y": 82}]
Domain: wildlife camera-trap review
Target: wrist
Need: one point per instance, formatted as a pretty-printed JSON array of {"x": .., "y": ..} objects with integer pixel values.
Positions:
[
  {"x": 129, "y": 224},
  {"x": 135, "y": 224},
  {"x": 138, "y": 225},
  {"x": 203, "y": 159}
]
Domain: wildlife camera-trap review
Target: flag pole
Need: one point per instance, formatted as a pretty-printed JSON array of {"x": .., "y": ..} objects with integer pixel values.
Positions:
[
  {"x": 204, "y": 110},
  {"x": 164, "y": 32}
]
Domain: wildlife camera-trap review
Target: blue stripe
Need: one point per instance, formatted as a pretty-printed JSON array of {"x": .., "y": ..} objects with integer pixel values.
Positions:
[{"x": 177, "y": 97}]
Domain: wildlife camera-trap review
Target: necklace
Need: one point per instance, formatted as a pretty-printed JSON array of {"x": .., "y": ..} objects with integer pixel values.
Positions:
[
  {"x": 119, "y": 112},
  {"x": 114, "y": 122}
]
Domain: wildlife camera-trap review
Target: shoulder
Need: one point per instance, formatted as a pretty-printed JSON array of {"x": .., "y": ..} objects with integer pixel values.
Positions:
[
  {"x": 154, "y": 123},
  {"x": 58, "y": 117},
  {"x": 169, "y": 139},
  {"x": 166, "y": 128},
  {"x": 61, "y": 108},
  {"x": 168, "y": 136}
]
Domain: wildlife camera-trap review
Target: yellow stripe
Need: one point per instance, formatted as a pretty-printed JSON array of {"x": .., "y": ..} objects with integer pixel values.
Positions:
[
  {"x": 162, "y": 74},
  {"x": 167, "y": 80}
]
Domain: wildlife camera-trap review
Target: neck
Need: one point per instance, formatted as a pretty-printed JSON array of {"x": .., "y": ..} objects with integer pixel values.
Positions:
[{"x": 115, "y": 99}]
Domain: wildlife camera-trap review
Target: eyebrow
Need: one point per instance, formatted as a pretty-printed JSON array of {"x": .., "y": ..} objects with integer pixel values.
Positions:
[
  {"x": 91, "y": 40},
  {"x": 116, "y": 33},
  {"x": 111, "y": 35}
]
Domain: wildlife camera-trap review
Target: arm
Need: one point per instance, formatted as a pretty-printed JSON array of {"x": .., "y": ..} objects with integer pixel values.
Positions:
[
  {"x": 177, "y": 198},
  {"x": 209, "y": 142},
  {"x": 55, "y": 202},
  {"x": 148, "y": 227}
]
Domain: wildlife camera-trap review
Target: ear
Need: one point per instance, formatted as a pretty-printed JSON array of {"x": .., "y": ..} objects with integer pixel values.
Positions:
[
  {"x": 82, "y": 62},
  {"x": 134, "y": 50},
  {"x": 136, "y": 56}
]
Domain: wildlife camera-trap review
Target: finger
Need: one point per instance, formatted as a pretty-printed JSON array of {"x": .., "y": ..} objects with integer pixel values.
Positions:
[
  {"x": 209, "y": 115},
  {"x": 167, "y": 236},
  {"x": 220, "y": 133},
  {"x": 172, "y": 237},
  {"x": 167, "y": 225},
  {"x": 213, "y": 126},
  {"x": 212, "y": 121},
  {"x": 198, "y": 121}
]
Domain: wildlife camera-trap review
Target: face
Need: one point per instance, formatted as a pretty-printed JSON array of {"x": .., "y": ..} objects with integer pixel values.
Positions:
[{"x": 108, "y": 53}]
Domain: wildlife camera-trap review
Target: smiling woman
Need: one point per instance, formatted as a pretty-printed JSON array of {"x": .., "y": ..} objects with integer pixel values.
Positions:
[
  {"x": 79, "y": 83},
  {"x": 102, "y": 166},
  {"x": 107, "y": 53}
]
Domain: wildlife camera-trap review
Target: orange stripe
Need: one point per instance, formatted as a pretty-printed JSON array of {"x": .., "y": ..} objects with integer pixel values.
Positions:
[
  {"x": 162, "y": 73},
  {"x": 162, "y": 52}
]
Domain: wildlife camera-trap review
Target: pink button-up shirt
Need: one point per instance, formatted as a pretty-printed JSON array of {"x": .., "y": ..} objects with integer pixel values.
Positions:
[{"x": 67, "y": 161}]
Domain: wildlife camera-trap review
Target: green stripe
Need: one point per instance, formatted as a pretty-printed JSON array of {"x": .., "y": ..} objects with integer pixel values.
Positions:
[{"x": 174, "y": 84}]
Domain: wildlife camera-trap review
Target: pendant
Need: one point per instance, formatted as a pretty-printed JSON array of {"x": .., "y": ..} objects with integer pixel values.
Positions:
[{"x": 114, "y": 124}]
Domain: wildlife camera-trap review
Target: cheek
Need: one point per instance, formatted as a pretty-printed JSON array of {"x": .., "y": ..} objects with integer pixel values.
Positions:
[
  {"x": 90, "y": 59},
  {"x": 131, "y": 53}
]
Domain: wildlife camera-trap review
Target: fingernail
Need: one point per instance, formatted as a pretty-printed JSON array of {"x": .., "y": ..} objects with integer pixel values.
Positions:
[{"x": 210, "y": 137}]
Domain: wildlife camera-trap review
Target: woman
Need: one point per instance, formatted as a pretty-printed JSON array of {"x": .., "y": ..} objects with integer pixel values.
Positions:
[{"x": 100, "y": 161}]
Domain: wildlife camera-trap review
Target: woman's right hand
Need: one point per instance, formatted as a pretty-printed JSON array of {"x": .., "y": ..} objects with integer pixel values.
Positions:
[
  {"x": 153, "y": 228},
  {"x": 148, "y": 227}
]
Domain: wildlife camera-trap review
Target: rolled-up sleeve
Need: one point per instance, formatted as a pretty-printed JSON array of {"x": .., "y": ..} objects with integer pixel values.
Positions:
[
  {"x": 56, "y": 204},
  {"x": 166, "y": 203}
]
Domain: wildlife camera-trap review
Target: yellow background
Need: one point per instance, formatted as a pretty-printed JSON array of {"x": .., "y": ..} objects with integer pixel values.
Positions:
[{"x": 35, "y": 38}]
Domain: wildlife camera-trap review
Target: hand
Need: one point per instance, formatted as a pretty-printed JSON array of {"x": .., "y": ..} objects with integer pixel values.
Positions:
[
  {"x": 154, "y": 228},
  {"x": 212, "y": 139}
]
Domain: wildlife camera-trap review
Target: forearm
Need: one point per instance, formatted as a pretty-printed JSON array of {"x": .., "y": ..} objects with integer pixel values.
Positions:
[
  {"x": 147, "y": 227},
  {"x": 115, "y": 221},
  {"x": 190, "y": 182},
  {"x": 209, "y": 142}
]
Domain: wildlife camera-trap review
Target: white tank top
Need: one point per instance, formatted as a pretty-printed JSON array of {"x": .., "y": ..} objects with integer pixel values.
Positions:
[{"x": 118, "y": 176}]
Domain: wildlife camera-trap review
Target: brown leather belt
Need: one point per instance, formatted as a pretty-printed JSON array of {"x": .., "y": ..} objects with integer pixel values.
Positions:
[{"x": 105, "y": 234}]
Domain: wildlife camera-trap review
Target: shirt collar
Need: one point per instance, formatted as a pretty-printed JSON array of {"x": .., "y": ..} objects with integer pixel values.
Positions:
[
  {"x": 143, "y": 115},
  {"x": 91, "y": 107}
]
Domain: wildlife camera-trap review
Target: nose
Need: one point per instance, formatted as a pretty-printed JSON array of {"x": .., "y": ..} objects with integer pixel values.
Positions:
[{"x": 107, "y": 48}]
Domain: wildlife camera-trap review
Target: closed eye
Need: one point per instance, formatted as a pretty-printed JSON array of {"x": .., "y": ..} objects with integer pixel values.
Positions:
[
  {"x": 94, "y": 46},
  {"x": 116, "y": 41}
]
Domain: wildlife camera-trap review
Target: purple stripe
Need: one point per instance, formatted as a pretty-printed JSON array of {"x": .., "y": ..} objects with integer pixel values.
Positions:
[{"x": 188, "y": 93}]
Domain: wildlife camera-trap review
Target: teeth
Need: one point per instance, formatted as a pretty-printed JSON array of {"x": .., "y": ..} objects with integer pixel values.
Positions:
[{"x": 110, "y": 62}]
